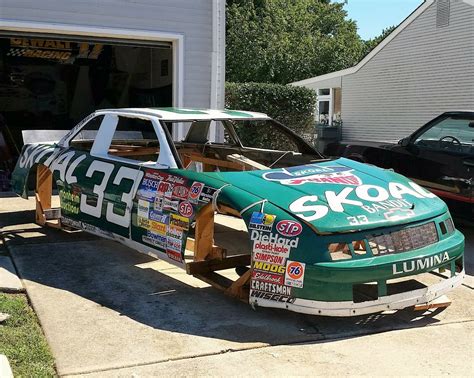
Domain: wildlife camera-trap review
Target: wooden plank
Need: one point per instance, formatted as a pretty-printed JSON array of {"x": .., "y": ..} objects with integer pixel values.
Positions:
[
  {"x": 44, "y": 187},
  {"x": 201, "y": 267},
  {"x": 238, "y": 289},
  {"x": 216, "y": 280},
  {"x": 249, "y": 164},
  {"x": 442, "y": 301},
  {"x": 204, "y": 233},
  {"x": 216, "y": 162},
  {"x": 223, "y": 209}
]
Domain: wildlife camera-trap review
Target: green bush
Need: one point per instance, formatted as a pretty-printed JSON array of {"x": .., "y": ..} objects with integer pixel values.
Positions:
[{"x": 292, "y": 106}]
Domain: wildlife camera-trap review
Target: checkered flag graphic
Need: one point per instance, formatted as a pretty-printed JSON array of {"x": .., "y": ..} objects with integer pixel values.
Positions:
[{"x": 16, "y": 52}]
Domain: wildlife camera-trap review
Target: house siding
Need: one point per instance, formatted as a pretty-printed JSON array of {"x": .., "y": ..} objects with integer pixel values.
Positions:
[
  {"x": 192, "y": 19},
  {"x": 424, "y": 71}
]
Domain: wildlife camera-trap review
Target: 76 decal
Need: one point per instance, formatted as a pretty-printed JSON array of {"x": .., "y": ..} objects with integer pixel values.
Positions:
[{"x": 294, "y": 275}]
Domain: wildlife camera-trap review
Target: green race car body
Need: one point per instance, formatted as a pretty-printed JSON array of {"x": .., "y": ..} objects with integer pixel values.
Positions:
[{"x": 316, "y": 231}]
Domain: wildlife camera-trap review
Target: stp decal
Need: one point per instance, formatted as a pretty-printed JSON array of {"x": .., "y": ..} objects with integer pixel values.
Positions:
[
  {"x": 186, "y": 209},
  {"x": 294, "y": 275},
  {"x": 289, "y": 228},
  {"x": 314, "y": 174}
]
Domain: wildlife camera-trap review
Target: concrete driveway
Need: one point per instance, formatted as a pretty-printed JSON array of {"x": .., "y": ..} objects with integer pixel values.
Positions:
[{"x": 107, "y": 310}]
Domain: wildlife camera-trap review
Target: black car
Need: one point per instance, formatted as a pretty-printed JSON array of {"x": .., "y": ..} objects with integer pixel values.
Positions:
[{"x": 438, "y": 156}]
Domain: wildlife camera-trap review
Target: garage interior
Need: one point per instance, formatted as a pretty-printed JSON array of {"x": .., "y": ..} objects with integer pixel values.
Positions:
[{"x": 51, "y": 84}]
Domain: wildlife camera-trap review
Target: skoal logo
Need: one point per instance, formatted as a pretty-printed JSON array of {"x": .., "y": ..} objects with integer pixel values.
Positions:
[{"x": 314, "y": 174}]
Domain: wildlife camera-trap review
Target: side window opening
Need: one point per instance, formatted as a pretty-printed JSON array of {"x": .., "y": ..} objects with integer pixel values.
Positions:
[
  {"x": 135, "y": 139},
  {"x": 84, "y": 139}
]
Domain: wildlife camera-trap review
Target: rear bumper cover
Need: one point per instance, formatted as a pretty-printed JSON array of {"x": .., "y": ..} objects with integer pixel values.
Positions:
[{"x": 349, "y": 308}]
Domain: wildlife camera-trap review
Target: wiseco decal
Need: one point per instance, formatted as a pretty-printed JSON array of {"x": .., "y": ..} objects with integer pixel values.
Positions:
[
  {"x": 314, "y": 174},
  {"x": 310, "y": 208},
  {"x": 289, "y": 228}
]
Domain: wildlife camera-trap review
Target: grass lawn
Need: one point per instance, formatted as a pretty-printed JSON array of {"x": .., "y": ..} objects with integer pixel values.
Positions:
[{"x": 22, "y": 340}]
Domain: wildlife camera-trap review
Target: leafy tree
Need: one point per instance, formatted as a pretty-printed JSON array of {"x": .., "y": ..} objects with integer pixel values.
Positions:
[
  {"x": 281, "y": 41},
  {"x": 370, "y": 44}
]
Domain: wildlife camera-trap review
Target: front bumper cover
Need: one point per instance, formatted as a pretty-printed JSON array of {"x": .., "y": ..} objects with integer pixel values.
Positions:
[{"x": 349, "y": 308}]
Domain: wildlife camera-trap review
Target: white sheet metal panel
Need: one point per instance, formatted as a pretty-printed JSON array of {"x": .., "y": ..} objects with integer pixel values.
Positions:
[
  {"x": 193, "y": 19},
  {"x": 422, "y": 72}
]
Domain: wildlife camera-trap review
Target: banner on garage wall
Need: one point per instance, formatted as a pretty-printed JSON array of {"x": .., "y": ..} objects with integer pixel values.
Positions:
[{"x": 62, "y": 51}]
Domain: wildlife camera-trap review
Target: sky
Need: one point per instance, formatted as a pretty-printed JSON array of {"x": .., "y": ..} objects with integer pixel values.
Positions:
[{"x": 373, "y": 16}]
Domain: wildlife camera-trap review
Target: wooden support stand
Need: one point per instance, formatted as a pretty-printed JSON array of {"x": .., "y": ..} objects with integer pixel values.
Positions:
[
  {"x": 209, "y": 258},
  {"x": 45, "y": 215}
]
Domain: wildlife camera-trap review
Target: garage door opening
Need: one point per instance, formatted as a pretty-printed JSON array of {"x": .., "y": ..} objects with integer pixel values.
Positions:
[{"x": 51, "y": 84}]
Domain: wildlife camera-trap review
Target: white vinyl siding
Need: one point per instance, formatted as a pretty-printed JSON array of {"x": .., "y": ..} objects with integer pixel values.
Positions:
[
  {"x": 424, "y": 71},
  {"x": 193, "y": 19}
]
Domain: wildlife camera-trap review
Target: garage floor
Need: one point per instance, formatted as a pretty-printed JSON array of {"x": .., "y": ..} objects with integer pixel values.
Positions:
[{"x": 106, "y": 309}]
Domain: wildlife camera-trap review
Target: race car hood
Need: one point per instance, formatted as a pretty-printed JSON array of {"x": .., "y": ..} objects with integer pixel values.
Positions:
[{"x": 341, "y": 195}]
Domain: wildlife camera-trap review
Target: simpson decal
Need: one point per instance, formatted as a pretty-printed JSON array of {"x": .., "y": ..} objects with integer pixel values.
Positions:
[
  {"x": 314, "y": 174},
  {"x": 266, "y": 257},
  {"x": 294, "y": 273},
  {"x": 261, "y": 221}
]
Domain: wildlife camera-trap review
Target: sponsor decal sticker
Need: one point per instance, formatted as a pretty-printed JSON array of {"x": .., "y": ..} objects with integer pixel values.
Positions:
[
  {"x": 143, "y": 223},
  {"x": 186, "y": 209},
  {"x": 270, "y": 287},
  {"x": 155, "y": 239},
  {"x": 195, "y": 191},
  {"x": 262, "y": 221},
  {"x": 174, "y": 232},
  {"x": 143, "y": 208},
  {"x": 273, "y": 238},
  {"x": 280, "y": 250},
  {"x": 206, "y": 194},
  {"x": 180, "y": 192},
  {"x": 267, "y": 267},
  {"x": 159, "y": 217},
  {"x": 268, "y": 277},
  {"x": 314, "y": 174},
  {"x": 266, "y": 257},
  {"x": 170, "y": 205},
  {"x": 396, "y": 214},
  {"x": 289, "y": 228},
  {"x": 158, "y": 203},
  {"x": 159, "y": 228},
  {"x": 69, "y": 201},
  {"x": 294, "y": 273},
  {"x": 165, "y": 189},
  {"x": 179, "y": 221},
  {"x": 271, "y": 297},
  {"x": 174, "y": 244},
  {"x": 173, "y": 255}
]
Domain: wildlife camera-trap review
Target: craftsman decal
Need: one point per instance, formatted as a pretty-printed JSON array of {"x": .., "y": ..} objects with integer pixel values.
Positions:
[
  {"x": 270, "y": 288},
  {"x": 314, "y": 174}
]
